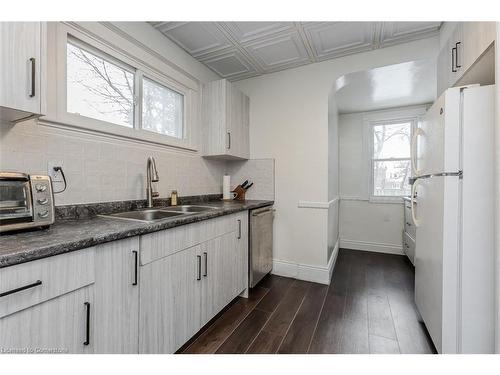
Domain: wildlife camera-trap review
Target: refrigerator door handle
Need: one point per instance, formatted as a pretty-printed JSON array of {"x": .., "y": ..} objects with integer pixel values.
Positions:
[
  {"x": 458, "y": 174},
  {"x": 412, "y": 203},
  {"x": 413, "y": 151}
]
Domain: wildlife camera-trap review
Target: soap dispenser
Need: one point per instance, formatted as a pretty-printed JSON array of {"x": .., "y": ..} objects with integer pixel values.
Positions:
[{"x": 173, "y": 198}]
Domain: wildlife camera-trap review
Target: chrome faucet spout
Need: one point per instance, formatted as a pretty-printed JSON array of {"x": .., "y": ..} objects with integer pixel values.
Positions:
[{"x": 151, "y": 176}]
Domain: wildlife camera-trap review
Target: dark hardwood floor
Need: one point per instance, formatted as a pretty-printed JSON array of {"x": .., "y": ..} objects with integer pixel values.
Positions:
[{"x": 368, "y": 308}]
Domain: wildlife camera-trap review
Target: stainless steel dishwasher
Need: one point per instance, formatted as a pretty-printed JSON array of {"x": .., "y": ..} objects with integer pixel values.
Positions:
[{"x": 261, "y": 244}]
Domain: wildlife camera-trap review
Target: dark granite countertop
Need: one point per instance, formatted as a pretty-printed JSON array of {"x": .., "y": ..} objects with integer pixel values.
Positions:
[{"x": 69, "y": 235}]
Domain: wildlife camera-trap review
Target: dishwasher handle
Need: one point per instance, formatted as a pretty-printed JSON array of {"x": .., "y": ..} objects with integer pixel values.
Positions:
[{"x": 262, "y": 213}]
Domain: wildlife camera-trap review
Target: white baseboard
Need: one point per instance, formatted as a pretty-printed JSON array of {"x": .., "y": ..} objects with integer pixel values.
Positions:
[
  {"x": 333, "y": 259},
  {"x": 316, "y": 274},
  {"x": 371, "y": 246}
]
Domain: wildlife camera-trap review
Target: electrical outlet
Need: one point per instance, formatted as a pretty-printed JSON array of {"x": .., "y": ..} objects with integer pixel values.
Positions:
[{"x": 56, "y": 176}]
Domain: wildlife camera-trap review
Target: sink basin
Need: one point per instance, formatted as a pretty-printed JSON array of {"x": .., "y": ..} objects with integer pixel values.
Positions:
[
  {"x": 145, "y": 215},
  {"x": 186, "y": 208}
]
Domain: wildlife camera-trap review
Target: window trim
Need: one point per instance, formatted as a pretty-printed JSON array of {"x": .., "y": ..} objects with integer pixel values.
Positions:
[
  {"x": 58, "y": 115},
  {"x": 414, "y": 114},
  {"x": 387, "y": 198}
]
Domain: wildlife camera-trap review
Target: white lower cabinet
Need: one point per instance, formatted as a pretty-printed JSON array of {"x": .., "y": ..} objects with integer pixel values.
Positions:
[
  {"x": 117, "y": 297},
  {"x": 181, "y": 292},
  {"x": 61, "y": 325},
  {"x": 147, "y": 294},
  {"x": 47, "y": 306},
  {"x": 170, "y": 301}
]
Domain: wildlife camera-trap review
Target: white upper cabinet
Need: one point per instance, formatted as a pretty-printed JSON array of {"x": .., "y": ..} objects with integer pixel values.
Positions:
[
  {"x": 225, "y": 120},
  {"x": 21, "y": 63},
  {"x": 458, "y": 57}
]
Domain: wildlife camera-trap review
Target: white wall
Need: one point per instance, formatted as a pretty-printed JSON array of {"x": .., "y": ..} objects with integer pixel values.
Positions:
[
  {"x": 333, "y": 180},
  {"x": 101, "y": 168},
  {"x": 363, "y": 225},
  {"x": 289, "y": 122}
]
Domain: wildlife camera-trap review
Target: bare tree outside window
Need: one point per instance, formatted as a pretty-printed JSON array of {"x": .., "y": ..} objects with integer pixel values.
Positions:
[
  {"x": 391, "y": 159},
  {"x": 104, "y": 90},
  {"x": 162, "y": 109},
  {"x": 98, "y": 88}
]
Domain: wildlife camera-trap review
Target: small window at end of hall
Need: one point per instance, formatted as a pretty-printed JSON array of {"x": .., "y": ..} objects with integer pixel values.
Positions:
[{"x": 391, "y": 159}]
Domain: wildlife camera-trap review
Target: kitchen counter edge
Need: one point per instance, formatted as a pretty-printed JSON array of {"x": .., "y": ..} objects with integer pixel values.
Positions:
[{"x": 72, "y": 235}]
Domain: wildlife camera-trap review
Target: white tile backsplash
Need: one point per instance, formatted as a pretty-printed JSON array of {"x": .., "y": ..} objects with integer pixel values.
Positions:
[
  {"x": 258, "y": 171},
  {"x": 100, "y": 169}
]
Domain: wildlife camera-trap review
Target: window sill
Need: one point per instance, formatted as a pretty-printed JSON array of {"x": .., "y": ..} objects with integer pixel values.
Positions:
[{"x": 133, "y": 135}]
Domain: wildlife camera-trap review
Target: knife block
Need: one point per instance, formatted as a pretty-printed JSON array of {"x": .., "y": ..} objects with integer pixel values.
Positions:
[{"x": 240, "y": 193}]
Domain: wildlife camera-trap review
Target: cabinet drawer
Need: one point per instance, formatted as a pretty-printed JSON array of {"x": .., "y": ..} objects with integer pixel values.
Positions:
[
  {"x": 163, "y": 243},
  {"x": 409, "y": 247},
  {"x": 409, "y": 225},
  {"x": 62, "y": 325},
  {"x": 44, "y": 279}
]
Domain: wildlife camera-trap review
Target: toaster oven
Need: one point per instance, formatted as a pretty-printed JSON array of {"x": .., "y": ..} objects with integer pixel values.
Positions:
[{"x": 26, "y": 201}]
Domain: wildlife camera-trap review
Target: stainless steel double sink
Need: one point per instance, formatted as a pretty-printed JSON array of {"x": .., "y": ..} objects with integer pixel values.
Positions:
[{"x": 149, "y": 215}]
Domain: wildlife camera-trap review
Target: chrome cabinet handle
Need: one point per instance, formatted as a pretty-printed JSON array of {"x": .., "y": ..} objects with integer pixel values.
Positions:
[
  {"x": 87, "y": 329},
  {"x": 199, "y": 267},
  {"x": 456, "y": 55},
  {"x": 239, "y": 229},
  {"x": 228, "y": 140},
  {"x": 453, "y": 58},
  {"x": 33, "y": 77},
  {"x": 32, "y": 285},
  {"x": 205, "y": 255},
  {"x": 136, "y": 263}
]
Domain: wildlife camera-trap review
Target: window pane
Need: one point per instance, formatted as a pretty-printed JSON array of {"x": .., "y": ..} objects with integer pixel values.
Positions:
[
  {"x": 162, "y": 109},
  {"x": 391, "y": 141},
  {"x": 99, "y": 89},
  {"x": 390, "y": 178}
]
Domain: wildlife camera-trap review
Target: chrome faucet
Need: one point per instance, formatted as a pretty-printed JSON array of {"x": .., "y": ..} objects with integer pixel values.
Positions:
[{"x": 151, "y": 176}]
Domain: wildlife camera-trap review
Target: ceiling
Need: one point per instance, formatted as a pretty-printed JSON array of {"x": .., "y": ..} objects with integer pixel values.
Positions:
[
  {"x": 238, "y": 50},
  {"x": 398, "y": 85}
]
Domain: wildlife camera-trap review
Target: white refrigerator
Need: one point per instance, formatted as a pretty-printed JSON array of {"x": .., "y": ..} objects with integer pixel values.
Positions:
[{"x": 452, "y": 159}]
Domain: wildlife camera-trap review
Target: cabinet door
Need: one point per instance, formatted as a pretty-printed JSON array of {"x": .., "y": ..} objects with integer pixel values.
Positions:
[
  {"x": 245, "y": 128},
  {"x": 443, "y": 69},
  {"x": 226, "y": 120},
  {"x": 456, "y": 48},
  {"x": 214, "y": 112},
  {"x": 211, "y": 302},
  {"x": 242, "y": 260},
  {"x": 20, "y": 55},
  {"x": 61, "y": 325},
  {"x": 117, "y": 297},
  {"x": 476, "y": 38},
  {"x": 170, "y": 301},
  {"x": 238, "y": 118},
  {"x": 227, "y": 272}
]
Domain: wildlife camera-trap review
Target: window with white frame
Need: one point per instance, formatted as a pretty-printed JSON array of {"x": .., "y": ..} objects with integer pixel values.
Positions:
[
  {"x": 103, "y": 88},
  {"x": 390, "y": 158}
]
